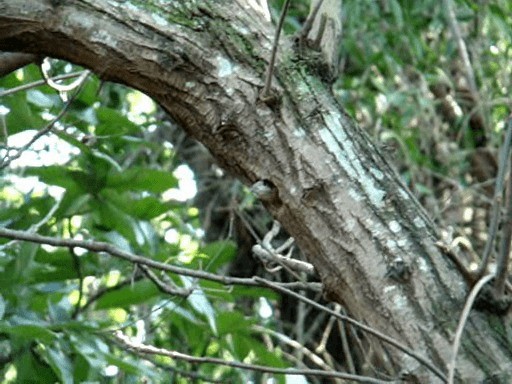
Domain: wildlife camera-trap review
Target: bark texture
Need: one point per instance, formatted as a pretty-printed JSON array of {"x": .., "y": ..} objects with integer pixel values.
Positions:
[{"x": 204, "y": 62}]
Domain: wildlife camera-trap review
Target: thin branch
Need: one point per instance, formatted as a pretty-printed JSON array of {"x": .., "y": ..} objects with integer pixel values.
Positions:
[
  {"x": 295, "y": 345},
  {"x": 45, "y": 70},
  {"x": 38, "y": 83},
  {"x": 266, "y": 252},
  {"x": 506, "y": 235},
  {"x": 306, "y": 28},
  {"x": 176, "y": 371},
  {"x": 357, "y": 324},
  {"x": 122, "y": 339},
  {"x": 497, "y": 199},
  {"x": 322, "y": 345},
  {"x": 163, "y": 287},
  {"x": 265, "y": 93},
  {"x": 462, "y": 322},
  {"x": 136, "y": 259},
  {"x": 461, "y": 45},
  {"x": 344, "y": 343}
]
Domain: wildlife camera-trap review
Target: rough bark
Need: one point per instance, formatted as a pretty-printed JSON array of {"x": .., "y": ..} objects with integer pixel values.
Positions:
[{"x": 203, "y": 62}]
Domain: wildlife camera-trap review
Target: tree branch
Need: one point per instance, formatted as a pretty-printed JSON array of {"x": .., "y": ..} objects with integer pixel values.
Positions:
[
  {"x": 136, "y": 259},
  {"x": 122, "y": 339}
]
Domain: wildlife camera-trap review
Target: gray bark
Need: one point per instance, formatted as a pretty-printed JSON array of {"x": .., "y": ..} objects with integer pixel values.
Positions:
[{"x": 204, "y": 62}]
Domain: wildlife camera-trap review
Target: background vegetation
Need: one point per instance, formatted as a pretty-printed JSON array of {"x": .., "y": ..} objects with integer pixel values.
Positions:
[{"x": 104, "y": 163}]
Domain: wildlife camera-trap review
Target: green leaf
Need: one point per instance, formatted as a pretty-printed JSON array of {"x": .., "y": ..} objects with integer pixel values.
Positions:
[
  {"x": 233, "y": 322},
  {"x": 29, "y": 331},
  {"x": 200, "y": 303},
  {"x": 113, "y": 122},
  {"x": 142, "y": 179},
  {"x": 21, "y": 117},
  {"x": 56, "y": 175},
  {"x": 219, "y": 254},
  {"x": 31, "y": 369},
  {"x": 42, "y": 100},
  {"x": 60, "y": 363},
  {"x": 91, "y": 348},
  {"x": 144, "y": 208},
  {"x": 139, "y": 292}
]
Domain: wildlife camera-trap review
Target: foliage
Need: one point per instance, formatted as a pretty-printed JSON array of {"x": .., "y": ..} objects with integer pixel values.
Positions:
[
  {"x": 103, "y": 174},
  {"x": 110, "y": 182}
]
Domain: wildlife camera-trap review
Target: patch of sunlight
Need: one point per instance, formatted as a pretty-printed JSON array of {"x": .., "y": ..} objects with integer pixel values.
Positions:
[
  {"x": 264, "y": 308},
  {"x": 118, "y": 315},
  {"x": 113, "y": 278},
  {"x": 47, "y": 150},
  {"x": 187, "y": 187},
  {"x": 11, "y": 374},
  {"x": 111, "y": 371},
  {"x": 140, "y": 106}
]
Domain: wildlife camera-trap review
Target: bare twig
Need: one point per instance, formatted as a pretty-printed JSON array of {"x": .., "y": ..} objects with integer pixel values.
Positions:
[
  {"x": 296, "y": 345},
  {"x": 265, "y": 93},
  {"x": 497, "y": 199},
  {"x": 461, "y": 45},
  {"x": 61, "y": 88},
  {"x": 38, "y": 83},
  {"x": 179, "y": 372},
  {"x": 344, "y": 343},
  {"x": 266, "y": 252},
  {"x": 462, "y": 322},
  {"x": 140, "y": 260},
  {"x": 359, "y": 325},
  {"x": 120, "y": 338},
  {"x": 163, "y": 287},
  {"x": 322, "y": 345}
]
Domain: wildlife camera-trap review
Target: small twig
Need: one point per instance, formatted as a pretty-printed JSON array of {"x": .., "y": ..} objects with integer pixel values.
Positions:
[
  {"x": 163, "y": 287},
  {"x": 45, "y": 70},
  {"x": 344, "y": 343},
  {"x": 461, "y": 45},
  {"x": 357, "y": 324},
  {"x": 179, "y": 372},
  {"x": 265, "y": 93},
  {"x": 295, "y": 345},
  {"x": 462, "y": 322},
  {"x": 306, "y": 28},
  {"x": 497, "y": 199},
  {"x": 322, "y": 346},
  {"x": 266, "y": 252},
  {"x": 122, "y": 339},
  {"x": 38, "y": 83}
]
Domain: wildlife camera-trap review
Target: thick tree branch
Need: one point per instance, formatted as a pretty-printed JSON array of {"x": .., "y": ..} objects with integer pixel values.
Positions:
[
  {"x": 349, "y": 212},
  {"x": 11, "y": 61}
]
